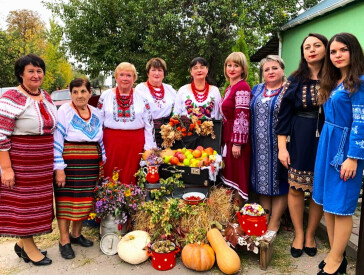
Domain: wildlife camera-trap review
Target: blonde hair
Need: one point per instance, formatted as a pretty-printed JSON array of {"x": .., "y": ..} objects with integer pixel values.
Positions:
[
  {"x": 240, "y": 59},
  {"x": 126, "y": 66},
  {"x": 270, "y": 58}
]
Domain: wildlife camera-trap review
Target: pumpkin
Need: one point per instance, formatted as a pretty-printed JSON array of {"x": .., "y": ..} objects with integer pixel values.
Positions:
[
  {"x": 227, "y": 259},
  {"x": 131, "y": 248},
  {"x": 199, "y": 257}
]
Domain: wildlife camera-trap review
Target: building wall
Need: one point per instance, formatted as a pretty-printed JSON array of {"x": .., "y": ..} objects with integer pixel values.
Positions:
[{"x": 347, "y": 19}]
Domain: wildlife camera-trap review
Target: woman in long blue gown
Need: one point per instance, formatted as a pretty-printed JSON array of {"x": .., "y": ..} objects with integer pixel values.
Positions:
[{"x": 339, "y": 162}]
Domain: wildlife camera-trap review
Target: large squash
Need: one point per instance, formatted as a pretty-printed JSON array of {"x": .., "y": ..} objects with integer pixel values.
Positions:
[
  {"x": 200, "y": 257},
  {"x": 131, "y": 248},
  {"x": 227, "y": 259}
]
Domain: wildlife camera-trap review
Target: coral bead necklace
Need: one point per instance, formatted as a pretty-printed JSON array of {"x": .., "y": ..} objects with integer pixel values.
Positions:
[
  {"x": 78, "y": 112},
  {"x": 200, "y": 95},
  {"x": 42, "y": 109},
  {"x": 37, "y": 93},
  {"x": 158, "y": 95}
]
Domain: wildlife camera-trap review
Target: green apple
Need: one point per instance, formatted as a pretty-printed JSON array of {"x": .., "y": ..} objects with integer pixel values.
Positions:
[
  {"x": 204, "y": 155},
  {"x": 189, "y": 156},
  {"x": 186, "y": 162},
  {"x": 184, "y": 150},
  {"x": 215, "y": 153},
  {"x": 166, "y": 159}
]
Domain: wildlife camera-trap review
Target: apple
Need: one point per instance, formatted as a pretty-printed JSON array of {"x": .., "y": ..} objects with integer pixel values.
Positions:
[
  {"x": 197, "y": 153},
  {"x": 204, "y": 155},
  {"x": 206, "y": 161},
  {"x": 184, "y": 150},
  {"x": 166, "y": 159},
  {"x": 215, "y": 153},
  {"x": 194, "y": 163},
  {"x": 200, "y": 148},
  {"x": 209, "y": 150},
  {"x": 181, "y": 157},
  {"x": 174, "y": 160},
  {"x": 189, "y": 156},
  {"x": 186, "y": 162}
]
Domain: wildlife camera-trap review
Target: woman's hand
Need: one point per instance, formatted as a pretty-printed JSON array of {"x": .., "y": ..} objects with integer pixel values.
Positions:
[
  {"x": 8, "y": 177},
  {"x": 236, "y": 149},
  {"x": 348, "y": 169},
  {"x": 60, "y": 178},
  {"x": 284, "y": 158}
]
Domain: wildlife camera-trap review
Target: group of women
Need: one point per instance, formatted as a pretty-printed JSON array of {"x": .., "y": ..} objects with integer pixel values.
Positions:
[{"x": 275, "y": 128}]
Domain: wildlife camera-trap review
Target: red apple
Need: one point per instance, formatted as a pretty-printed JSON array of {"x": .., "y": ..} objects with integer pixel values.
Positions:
[
  {"x": 174, "y": 161},
  {"x": 200, "y": 148},
  {"x": 209, "y": 151}
]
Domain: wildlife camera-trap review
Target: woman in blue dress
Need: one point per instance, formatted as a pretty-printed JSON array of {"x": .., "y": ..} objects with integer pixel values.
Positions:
[
  {"x": 300, "y": 118},
  {"x": 268, "y": 175},
  {"x": 339, "y": 162}
]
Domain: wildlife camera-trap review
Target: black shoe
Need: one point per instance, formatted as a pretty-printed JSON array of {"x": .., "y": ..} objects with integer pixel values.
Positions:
[
  {"x": 296, "y": 252},
  {"x": 310, "y": 251},
  {"x": 44, "y": 261},
  {"x": 81, "y": 240},
  {"x": 66, "y": 251},
  {"x": 322, "y": 263},
  {"x": 341, "y": 269},
  {"x": 17, "y": 250}
]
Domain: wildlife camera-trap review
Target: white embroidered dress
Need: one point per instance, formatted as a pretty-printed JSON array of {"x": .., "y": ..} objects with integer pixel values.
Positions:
[{"x": 71, "y": 127}]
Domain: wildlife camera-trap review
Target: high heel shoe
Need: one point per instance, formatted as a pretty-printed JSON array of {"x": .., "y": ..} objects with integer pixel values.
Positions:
[
  {"x": 322, "y": 264},
  {"x": 17, "y": 250},
  {"x": 341, "y": 269},
  {"x": 44, "y": 261}
]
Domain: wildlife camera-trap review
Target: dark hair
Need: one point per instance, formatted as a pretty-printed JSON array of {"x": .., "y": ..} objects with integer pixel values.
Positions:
[
  {"x": 331, "y": 74},
  {"x": 203, "y": 62},
  {"x": 20, "y": 64},
  {"x": 156, "y": 63},
  {"x": 303, "y": 72},
  {"x": 78, "y": 82}
]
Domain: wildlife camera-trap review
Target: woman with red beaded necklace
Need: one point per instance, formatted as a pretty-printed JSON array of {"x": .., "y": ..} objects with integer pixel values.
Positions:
[
  {"x": 161, "y": 96},
  {"x": 234, "y": 108},
  {"x": 28, "y": 119},
  {"x": 128, "y": 124},
  {"x": 199, "y": 98},
  {"x": 78, "y": 148}
]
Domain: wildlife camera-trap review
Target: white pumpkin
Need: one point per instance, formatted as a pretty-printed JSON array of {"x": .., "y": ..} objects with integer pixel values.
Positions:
[{"x": 131, "y": 248}]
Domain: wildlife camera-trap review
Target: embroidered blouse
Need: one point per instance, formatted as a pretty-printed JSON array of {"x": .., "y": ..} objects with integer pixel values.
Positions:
[
  {"x": 159, "y": 108},
  {"x": 139, "y": 116},
  {"x": 72, "y": 128},
  {"x": 234, "y": 108},
  {"x": 187, "y": 105},
  {"x": 21, "y": 115}
]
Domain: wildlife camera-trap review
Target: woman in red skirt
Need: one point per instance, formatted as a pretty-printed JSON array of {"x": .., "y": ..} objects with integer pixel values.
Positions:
[
  {"x": 27, "y": 122},
  {"x": 234, "y": 108},
  {"x": 128, "y": 125}
]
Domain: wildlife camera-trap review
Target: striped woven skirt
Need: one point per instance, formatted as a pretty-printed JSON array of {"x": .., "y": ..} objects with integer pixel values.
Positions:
[
  {"x": 75, "y": 201},
  {"x": 27, "y": 209}
]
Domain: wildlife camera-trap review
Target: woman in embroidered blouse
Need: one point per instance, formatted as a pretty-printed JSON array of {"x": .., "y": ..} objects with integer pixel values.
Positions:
[
  {"x": 128, "y": 124},
  {"x": 28, "y": 119},
  {"x": 340, "y": 154},
  {"x": 268, "y": 175},
  {"x": 78, "y": 148},
  {"x": 299, "y": 117},
  {"x": 160, "y": 96},
  {"x": 234, "y": 108},
  {"x": 199, "y": 98}
]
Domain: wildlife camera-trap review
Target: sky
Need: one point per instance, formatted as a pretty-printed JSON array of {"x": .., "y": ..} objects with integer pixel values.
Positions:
[{"x": 36, "y": 5}]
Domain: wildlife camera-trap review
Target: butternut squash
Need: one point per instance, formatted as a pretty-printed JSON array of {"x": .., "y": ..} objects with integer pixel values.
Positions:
[{"x": 227, "y": 259}]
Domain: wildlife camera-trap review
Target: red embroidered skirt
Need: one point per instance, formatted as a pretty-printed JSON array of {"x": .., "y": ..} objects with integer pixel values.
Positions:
[
  {"x": 236, "y": 171},
  {"x": 123, "y": 150},
  {"x": 27, "y": 210},
  {"x": 74, "y": 201}
]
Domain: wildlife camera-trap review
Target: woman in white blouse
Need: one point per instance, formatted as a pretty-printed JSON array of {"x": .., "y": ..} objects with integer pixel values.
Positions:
[
  {"x": 160, "y": 96},
  {"x": 128, "y": 124},
  {"x": 198, "y": 98},
  {"x": 78, "y": 149}
]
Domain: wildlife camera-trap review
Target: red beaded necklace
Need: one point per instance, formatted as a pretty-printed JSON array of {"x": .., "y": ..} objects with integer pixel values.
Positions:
[
  {"x": 158, "y": 95},
  {"x": 29, "y": 92},
  {"x": 197, "y": 93},
  {"x": 78, "y": 112},
  {"x": 274, "y": 94},
  {"x": 124, "y": 101}
]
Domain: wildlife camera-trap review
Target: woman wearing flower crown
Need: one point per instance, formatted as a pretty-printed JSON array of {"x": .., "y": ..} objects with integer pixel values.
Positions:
[
  {"x": 234, "y": 108},
  {"x": 198, "y": 98},
  {"x": 78, "y": 148},
  {"x": 160, "y": 96},
  {"x": 128, "y": 124}
]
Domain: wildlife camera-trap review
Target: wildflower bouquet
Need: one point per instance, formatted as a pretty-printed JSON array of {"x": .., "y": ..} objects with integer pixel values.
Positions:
[{"x": 117, "y": 199}]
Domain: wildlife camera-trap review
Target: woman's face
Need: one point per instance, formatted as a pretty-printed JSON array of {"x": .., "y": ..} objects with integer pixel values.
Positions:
[
  {"x": 125, "y": 80},
  {"x": 32, "y": 77},
  {"x": 199, "y": 72},
  {"x": 313, "y": 50},
  {"x": 233, "y": 71},
  {"x": 80, "y": 96},
  {"x": 339, "y": 55},
  {"x": 156, "y": 76},
  {"x": 272, "y": 73}
]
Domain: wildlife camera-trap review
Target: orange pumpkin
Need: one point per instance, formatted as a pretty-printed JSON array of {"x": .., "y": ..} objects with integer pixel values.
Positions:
[{"x": 199, "y": 257}]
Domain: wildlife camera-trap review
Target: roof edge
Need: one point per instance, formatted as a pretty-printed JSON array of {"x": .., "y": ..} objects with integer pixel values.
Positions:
[{"x": 316, "y": 14}]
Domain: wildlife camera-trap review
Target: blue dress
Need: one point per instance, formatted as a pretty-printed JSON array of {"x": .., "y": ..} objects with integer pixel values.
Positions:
[
  {"x": 268, "y": 175},
  {"x": 342, "y": 136}
]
